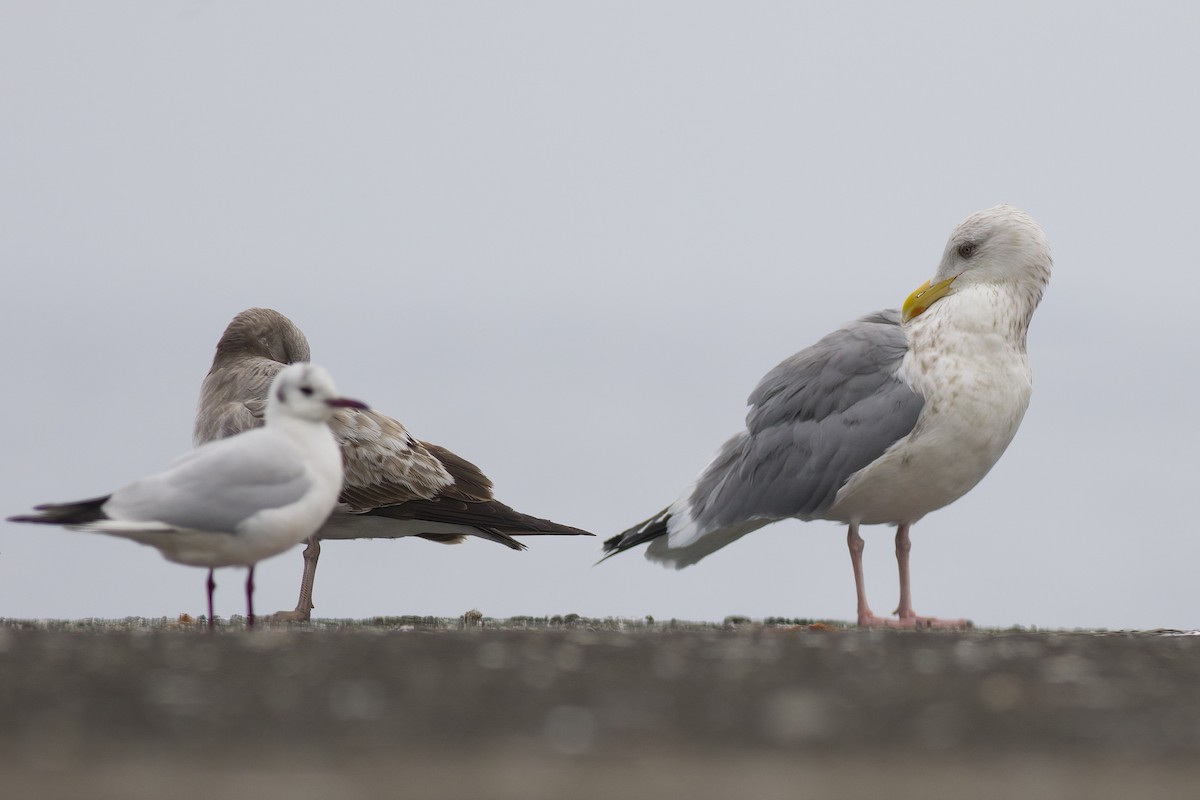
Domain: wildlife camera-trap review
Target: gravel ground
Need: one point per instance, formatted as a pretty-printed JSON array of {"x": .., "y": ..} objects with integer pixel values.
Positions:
[{"x": 572, "y": 708}]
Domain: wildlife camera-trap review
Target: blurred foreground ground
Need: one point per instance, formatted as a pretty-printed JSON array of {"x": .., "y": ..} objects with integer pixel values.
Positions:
[{"x": 592, "y": 709}]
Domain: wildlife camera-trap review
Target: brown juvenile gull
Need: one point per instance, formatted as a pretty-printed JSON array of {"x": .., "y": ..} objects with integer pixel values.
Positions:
[
  {"x": 894, "y": 415},
  {"x": 236, "y": 501},
  {"x": 395, "y": 484}
]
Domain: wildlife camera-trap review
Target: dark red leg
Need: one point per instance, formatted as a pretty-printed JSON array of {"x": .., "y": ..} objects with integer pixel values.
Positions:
[
  {"x": 250, "y": 599},
  {"x": 212, "y": 585}
]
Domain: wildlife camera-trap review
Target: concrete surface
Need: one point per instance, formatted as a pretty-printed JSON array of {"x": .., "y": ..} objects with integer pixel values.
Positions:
[{"x": 571, "y": 708}]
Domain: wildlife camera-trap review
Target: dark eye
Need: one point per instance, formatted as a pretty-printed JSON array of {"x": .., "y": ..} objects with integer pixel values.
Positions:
[
  {"x": 306, "y": 391},
  {"x": 966, "y": 250}
]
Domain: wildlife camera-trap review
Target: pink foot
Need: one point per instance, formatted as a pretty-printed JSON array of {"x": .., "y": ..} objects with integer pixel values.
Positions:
[{"x": 910, "y": 622}]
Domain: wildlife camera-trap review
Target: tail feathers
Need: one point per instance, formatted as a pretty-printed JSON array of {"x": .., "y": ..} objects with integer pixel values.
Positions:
[
  {"x": 80, "y": 512},
  {"x": 688, "y": 541},
  {"x": 647, "y": 531}
]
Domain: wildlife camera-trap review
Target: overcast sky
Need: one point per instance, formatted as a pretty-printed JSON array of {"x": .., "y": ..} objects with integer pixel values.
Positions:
[{"x": 565, "y": 240}]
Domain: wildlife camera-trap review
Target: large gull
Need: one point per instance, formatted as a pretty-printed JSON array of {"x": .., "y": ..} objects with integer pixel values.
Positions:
[
  {"x": 236, "y": 501},
  {"x": 395, "y": 484},
  {"x": 891, "y": 417}
]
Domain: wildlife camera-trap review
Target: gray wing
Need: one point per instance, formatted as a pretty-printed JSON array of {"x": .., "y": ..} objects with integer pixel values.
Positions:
[
  {"x": 217, "y": 486},
  {"x": 814, "y": 421},
  {"x": 233, "y": 398}
]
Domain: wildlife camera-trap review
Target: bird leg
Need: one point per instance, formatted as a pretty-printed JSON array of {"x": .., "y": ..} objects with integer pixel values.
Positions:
[
  {"x": 903, "y": 546},
  {"x": 211, "y": 585},
  {"x": 305, "y": 605},
  {"x": 250, "y": 598},
  {"x": 908, "y": 617},
  {"x": 866, "y": 618}
]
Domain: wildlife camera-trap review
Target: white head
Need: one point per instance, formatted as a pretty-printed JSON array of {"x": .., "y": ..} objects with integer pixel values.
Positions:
[
  {"x": 1000, "y": 247},
  {"x": 305, "y": 391}
]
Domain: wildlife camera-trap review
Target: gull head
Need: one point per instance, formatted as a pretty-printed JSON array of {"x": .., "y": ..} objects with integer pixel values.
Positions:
[
  {"x": 1001, "y": 247},
  {"x": 265, "y": 333},
  {"x": 305, "y": 391}
]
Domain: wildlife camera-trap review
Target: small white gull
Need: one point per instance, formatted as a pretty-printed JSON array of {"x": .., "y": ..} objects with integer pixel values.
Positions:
[
  {"x": 883, "y": 421},
  {"x": 396, "y": 485},
  {"x": 236, "y": 501}
]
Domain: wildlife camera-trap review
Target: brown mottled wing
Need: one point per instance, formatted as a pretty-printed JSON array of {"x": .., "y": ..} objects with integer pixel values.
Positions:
[
  {"x": 464, "y": 499},
  {"x": 384, "y": 465},
  {"x": 469, "y": 481}
]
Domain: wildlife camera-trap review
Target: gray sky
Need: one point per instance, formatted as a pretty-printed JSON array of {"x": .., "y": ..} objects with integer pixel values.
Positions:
[{"x": 565, "y": 241}]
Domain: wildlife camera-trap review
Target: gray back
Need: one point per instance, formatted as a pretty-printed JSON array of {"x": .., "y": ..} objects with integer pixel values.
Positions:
[
  {"x": 218, "y": 486},
  {"x": 814, "y": 421}
]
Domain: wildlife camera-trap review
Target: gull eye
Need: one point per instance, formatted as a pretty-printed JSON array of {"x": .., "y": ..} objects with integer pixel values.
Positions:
[
  {"x": 306, "y": 391},
  {"x": 966, "y": 250}
]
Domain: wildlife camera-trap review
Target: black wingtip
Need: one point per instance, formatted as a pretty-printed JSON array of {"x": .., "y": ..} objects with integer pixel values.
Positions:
[
  {"x": 612, "y": 546},
  {"x": 77, "y": 513},
  {"x": 647, "y": 531}
]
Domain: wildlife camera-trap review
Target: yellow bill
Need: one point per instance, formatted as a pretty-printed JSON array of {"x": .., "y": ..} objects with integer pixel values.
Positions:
[{"x": 925, "y": 296}]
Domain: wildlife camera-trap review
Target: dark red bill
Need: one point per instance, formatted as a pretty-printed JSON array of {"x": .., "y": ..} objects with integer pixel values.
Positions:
[{"x": 346, "y": 402}]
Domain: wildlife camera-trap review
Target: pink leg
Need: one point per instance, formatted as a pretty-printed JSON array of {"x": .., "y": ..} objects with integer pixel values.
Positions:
[
  {"x": 908, "y": 617},
  {"x": 866, "y": 617},
  {"x": 250, "y": 599},
  {"x": 211, "y": 586},
  {"x": 903, "y": 545},
  {"x": 304, "y": 606}
]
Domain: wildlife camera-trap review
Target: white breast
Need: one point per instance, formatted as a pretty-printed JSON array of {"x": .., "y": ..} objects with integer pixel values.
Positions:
[
  {"x": 271, "y": 532},
  {"x": 968, "y": 360}
]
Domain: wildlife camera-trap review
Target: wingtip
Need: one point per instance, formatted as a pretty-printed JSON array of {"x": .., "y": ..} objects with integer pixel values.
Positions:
[
  {"x": 38, "y": 519},
  {"x": 573, "y": 532},
  {"x": 613, "y": 545},
  {"x": 606, "y": 557},
  {"x": 642, "y": 533},
  {"x": 64, "y": 513}
]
